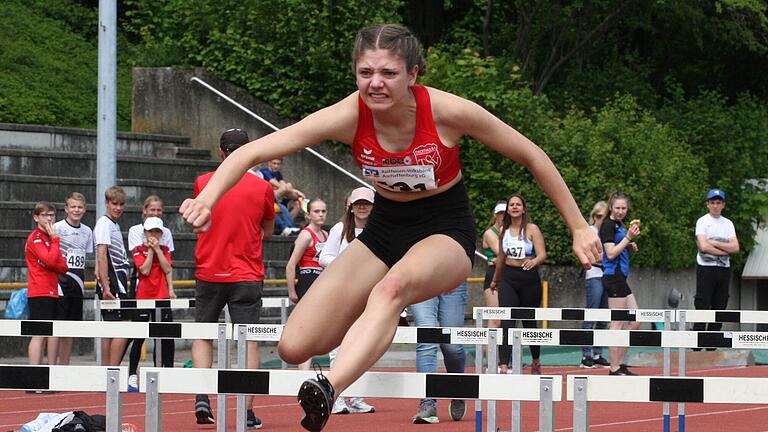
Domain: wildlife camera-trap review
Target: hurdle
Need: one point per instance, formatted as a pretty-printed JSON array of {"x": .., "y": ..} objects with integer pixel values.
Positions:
[
  {"x": 112, "y": 380},
  {"x": 186, "y": 303},
  {"x": 582, "y": 389},
  {"x": 680, "y": 317},
  {"x": 545, "y": 389}
]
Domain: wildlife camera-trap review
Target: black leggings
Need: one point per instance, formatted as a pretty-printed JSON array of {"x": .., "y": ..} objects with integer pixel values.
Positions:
[
  {"x": 518, "y": 287},
  {"x": 168, "y": 346},
  {"x": 712, "y": 292}
]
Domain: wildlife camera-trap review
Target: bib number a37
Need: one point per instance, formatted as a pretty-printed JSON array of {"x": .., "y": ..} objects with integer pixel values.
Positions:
[
  {"x": 402, "y": 178},
  {"x": 514, "y": 249}
]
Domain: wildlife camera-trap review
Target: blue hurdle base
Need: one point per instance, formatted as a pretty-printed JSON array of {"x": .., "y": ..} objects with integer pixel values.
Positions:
[
  {"x": 667, "y": 424},
  {"x": 478, "y": 421}
]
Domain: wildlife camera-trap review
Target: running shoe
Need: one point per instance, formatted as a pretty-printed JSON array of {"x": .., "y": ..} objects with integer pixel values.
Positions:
[
  {"x": 340, "y": 407},
  {"x": 457, "y": 409},
  {"x": 357, "y": 405},
  {"x": 203, "y": 410},
  {"x": 251, "y": 421},
  {"x": 600, "y": 361},
  {"x": 623, "y": 370},
  {"x": 536, "y": 369},
  {"x": 427, "y": 412},
  {"x": 316, "y": 397},
  {"x": 133, "y": 384},
  {"x": 587, "y": 363}
]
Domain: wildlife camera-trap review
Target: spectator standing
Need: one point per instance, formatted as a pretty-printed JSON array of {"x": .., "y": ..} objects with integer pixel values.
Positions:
[
  {"x": 445, "y": 310},
  {"x": 111, "y": 270},
  {"x": 153, "y": 207},
  {"x": 76, "y": 240},
  {"x": 517, "y": 279},
  {"x": 44, "y": 263},
  {"x": 229, "y": 263},
  {"x": 154, "y": 264},
  {"x": 491, "y": 251},
  {"x": 596, "y": 298},
  {"x": 618, "y": 242},
  {"x": 285, "y": 193},
  {"x": 305, "y": 256},
  {"x": 357, "y": 210},
  {"x": 716, "y": 241}
]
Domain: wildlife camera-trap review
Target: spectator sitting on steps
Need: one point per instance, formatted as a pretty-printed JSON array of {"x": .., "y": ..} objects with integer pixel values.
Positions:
[{"x": 285, "y": 193}]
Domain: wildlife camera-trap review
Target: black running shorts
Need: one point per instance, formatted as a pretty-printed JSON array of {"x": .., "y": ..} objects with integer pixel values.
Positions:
[{"x": 394, "y": 226}]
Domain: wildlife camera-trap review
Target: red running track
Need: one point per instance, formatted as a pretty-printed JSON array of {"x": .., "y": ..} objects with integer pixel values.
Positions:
[{"x": 393, "y": 415}]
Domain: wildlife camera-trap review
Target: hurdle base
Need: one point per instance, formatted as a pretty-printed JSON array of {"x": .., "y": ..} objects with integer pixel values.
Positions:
[{"x": 696, "y": 359}]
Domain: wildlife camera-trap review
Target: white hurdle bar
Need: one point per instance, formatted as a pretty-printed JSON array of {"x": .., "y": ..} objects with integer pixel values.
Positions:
[
  {"x": 582, "y": 389},
  {"x": 606, "y": 315},
  {"x": 112, "y": 380},
  {"x": 156, "y": 381}
]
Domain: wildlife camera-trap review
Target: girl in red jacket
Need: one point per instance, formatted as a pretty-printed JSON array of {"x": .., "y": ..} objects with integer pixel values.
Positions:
[{"x": 44, "y": 263}]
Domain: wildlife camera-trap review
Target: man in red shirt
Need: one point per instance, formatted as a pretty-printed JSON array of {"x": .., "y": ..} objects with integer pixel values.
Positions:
[
  {"x": 229, "y": 263},
  {"x": 44, "y": 263}
]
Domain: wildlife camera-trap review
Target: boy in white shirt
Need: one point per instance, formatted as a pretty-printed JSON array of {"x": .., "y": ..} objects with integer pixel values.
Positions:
[{"x": 716, "y": 241}]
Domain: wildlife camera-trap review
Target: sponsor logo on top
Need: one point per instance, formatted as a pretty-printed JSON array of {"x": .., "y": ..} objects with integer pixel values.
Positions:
[
  {"x": 539, "y": 337},
  {"x": 749, "y": 340},
  {"x": 495, "y": 313},
  {"x": 264, "y": 332},
  {"x": 469, "y": 336},
  {"x": 649, "y": 315}
]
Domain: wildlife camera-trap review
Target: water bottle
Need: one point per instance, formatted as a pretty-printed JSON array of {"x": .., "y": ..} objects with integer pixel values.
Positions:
[{"x": 38, "y": 423}]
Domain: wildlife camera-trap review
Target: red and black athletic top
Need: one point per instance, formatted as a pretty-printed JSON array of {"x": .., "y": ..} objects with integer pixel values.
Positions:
[
  {"x": 44, "y": 263},
  {"x": 311, "y": 256},
  {"x": 426, "y": 149},
  {"x": 153, "y": 286}
]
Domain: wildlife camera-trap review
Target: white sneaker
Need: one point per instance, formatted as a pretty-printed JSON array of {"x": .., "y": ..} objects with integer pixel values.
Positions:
[
  {"x": 357, "y": 405},
  {"x": 340, "y": 407},
  {"x": 133, "y": 384}
]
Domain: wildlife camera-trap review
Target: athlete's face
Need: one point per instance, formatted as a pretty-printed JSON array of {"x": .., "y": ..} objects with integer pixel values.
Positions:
[
  {"x": 155, "y": 234},
  {"x": 154, "y": 208},
  {"x": 619, "y": 209},
  {"x": 515, "y": 207},
  {"x": 75, "y": 209},
  {"x": 115, "y": 209},
  {"x": 715, "y": 207},
  {"x": 317, "y": 213},
  {"x": 382, "y": 78},
  {"x": 275, "y": 165},
  {"x": 362, "y": 209}
]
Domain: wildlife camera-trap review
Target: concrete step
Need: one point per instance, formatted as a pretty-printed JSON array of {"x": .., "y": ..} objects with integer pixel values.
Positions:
[
  {"x": 12, "y": 245},
  {"x": 15, "y": 269},
  {"x": 74, "y": 140},
  {"x": 66, "y": 164},
  {"x": 26, "y": 188},
  {"x": 17, "y": 215}
]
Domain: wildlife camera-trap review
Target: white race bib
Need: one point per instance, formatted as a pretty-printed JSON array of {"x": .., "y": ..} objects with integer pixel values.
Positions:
[
  {"x": 514, "y": 247},
  {"x": 76, "y": 259},
  {"x": 402, "y": 178}
]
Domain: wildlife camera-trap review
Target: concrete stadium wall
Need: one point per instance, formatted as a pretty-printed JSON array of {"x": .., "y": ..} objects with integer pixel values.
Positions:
[{"x": 166, "y": 101}]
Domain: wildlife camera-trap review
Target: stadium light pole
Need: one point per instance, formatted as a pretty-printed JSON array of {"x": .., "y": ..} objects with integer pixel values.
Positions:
[{"x": 106, "y": 126}]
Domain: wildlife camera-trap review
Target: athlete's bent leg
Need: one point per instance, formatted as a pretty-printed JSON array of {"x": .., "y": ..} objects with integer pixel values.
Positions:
[
  {"x": 409, "y": 281},
  {"x": 337, "y": 298}
]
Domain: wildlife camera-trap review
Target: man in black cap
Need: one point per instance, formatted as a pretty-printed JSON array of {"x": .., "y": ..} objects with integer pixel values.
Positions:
[
  {"x": 716, "y": 241},
  {"x": 229, "y": 263}
]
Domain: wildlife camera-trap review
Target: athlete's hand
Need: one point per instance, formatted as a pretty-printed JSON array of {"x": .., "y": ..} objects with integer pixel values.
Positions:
[
  {"x": 197, "y": 214},
  {"x": 108, "y": 295},
  {"x": 632, "y": 247},
  {"x": 587, "y": 246}
]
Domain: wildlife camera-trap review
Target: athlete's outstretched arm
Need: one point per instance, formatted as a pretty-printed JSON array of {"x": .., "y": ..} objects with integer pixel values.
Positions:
[
  {"x": 336, "y": 122},
  {"x": 471, "y": 119}
]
